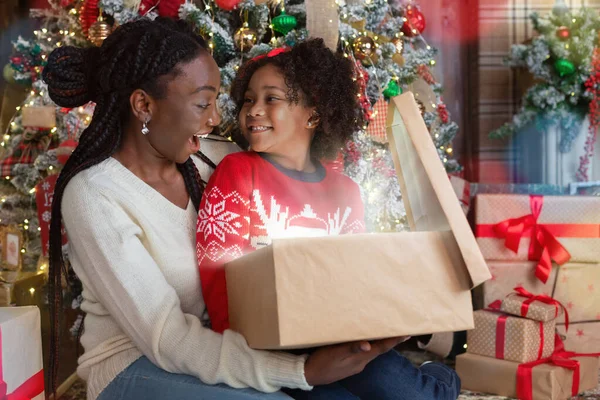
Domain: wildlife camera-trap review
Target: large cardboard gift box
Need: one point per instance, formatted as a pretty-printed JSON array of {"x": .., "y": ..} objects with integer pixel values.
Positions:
[
  {"x": 21, "y": 365},
  {"x": 307, "y": 292},
  {"x": 513, "y": 227},
  {"x": 548, "y": 381}
]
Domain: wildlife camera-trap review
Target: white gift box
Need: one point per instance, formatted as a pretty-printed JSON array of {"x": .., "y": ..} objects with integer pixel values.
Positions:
[{"x": 21, "y": 363}]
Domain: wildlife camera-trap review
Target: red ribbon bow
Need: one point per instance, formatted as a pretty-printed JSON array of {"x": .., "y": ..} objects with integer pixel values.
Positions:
[
  {"x": 544, "y": 246},
  {"x": 28, "y": 390},
  {"x": 560, "y": 358},
  {"x": 541, "y": 298}
]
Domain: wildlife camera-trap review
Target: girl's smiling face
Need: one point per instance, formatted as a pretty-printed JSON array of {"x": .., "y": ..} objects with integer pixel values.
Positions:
[{"x": 269, "y": 121}]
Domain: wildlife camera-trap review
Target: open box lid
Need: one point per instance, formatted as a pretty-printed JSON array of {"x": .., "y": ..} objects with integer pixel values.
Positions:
[{"x": 429, "y": 199}]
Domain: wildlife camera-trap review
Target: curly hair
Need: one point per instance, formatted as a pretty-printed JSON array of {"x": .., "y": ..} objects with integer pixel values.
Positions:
[
  {"x": 142, "y": 54},
  {"x": 321, "y": 79}
]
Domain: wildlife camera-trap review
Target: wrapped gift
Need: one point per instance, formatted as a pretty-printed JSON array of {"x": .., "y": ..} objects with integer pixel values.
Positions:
[
  {"x": 578, "y": 288},
  {"x": 510, "y": 338},
  {"x": 553, "y": 379},
  {"x": 507, "y": 275},
  {"x": 582, "y": 338},
  {"x": 306, "y": 292},
  {"x": 21, "y": 367},
  {"x": 537, "y": 228},
  {"x": 542, "y": 189},
  {"x": 528, "y": 305}
]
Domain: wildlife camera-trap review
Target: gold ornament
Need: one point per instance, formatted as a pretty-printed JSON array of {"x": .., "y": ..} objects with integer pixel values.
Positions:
[
  {"x": 398, "y": 59},
  {"x": 364, "y": 49},
  {"x": 245, "y": 38},
  {"x": 99, "y": 31},
  {"x": 399, "y": 44},
  {"x": 359, "y": 25}
]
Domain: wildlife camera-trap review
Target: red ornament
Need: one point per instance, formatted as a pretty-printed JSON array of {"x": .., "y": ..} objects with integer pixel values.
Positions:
[
  {"x": 227, "y": 5},
  {"x": 563, "y": 33},
  {"x": 415, "y": 21},
  {"x": 64, "y": 150},
  {"x": 169, "y": 8},
  {"x": 88, "y": 14}
]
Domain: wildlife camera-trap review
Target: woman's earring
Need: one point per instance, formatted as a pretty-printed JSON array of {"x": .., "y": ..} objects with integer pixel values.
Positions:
[
  {"x": 309, "y": 124},
  {"x": 145, "y": 129}
]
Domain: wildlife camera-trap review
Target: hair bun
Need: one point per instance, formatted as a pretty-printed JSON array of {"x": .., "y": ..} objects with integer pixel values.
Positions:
[{"x": 69, "y": 75}]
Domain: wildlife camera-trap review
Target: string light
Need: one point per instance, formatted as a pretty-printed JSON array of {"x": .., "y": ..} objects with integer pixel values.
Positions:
[{"x": 31, "y": 290}]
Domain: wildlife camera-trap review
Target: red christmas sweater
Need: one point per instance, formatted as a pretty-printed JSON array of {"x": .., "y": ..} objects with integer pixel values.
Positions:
[{"x": 249, "y": 201}]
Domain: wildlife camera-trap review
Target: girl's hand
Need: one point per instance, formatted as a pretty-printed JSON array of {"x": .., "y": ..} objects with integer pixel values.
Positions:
[{"x": 333, "y": 363}]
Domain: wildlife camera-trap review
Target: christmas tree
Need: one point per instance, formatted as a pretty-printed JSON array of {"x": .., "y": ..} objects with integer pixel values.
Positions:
[
  {"x": 383, "y": 39},
  {"x": 564, "y": 61}
]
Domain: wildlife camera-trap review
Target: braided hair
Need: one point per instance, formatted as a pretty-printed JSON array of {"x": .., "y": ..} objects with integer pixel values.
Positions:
[{"x": 133, "y": 57}]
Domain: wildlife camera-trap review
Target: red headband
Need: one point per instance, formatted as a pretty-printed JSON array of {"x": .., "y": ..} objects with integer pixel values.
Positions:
[{"x": 272, "y": 53}]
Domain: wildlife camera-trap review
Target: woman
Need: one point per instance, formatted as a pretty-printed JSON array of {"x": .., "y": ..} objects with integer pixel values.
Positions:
[{"x": 128, "y": 197}]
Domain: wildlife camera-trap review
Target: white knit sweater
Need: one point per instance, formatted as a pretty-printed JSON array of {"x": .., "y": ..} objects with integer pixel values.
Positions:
[{"x": 134, "y": 252}]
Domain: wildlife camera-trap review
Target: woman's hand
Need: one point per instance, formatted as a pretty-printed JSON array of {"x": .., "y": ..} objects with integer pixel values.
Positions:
[{"x": 333, "y": 363}]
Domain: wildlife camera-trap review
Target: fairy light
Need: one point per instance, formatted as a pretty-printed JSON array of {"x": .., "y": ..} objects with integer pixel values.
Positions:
[
  {"x": 6, "y": 137},
  {"x": 22, "y": 251},
  {"x": 50, "y": 168},
  {"x": 26, "y": 221},
  {"x": 53, "y": 130},
  {"x": 31, "y": 290},
  {"x": 3, "y": 200},
  {"x": 32, "y": 191},
  {"x": 44, "y": 30},
  {"x": 32, "y": 93},
  {"x": 26, "y": 227},
  {"x": 7, "y": 177},
  {"x": 18, "y": 108}
]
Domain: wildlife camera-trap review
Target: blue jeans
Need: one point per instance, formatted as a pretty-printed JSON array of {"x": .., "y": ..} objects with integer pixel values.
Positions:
[
  {"x": 143, "y": 380},
  {"x": 390, "y": 377}
]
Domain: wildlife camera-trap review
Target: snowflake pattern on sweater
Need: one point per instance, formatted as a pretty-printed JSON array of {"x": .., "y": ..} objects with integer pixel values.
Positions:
[{"x": 249, "y": 201}]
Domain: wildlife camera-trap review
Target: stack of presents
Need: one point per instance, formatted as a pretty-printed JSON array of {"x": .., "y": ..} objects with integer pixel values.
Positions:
[{"x": 538, "y": 334}]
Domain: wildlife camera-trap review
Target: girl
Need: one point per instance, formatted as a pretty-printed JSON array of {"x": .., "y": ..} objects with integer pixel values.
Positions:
[{"x": 296, "y": 107}]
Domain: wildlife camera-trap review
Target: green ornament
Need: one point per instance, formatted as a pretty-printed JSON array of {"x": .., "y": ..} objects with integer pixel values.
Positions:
[
  {"x": 564, "y": 67},
  {"x": 8, "y": 73},
  {"x": 284, "y": 23},
  {"x": 36, "y": 49},
  {"x": 392, "y": 89}
]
